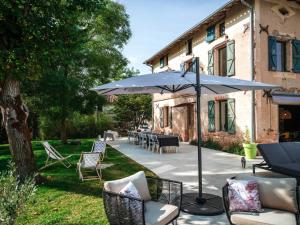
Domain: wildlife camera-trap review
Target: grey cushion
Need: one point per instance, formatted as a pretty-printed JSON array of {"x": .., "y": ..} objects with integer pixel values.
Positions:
[
  {"x": 274, "y": 154},
  {"x": 157, "y": 213},
  {"x": 139, "y": 181},
  {"x": 278, "y": 193},
  {"x": 268, "y": 217}
]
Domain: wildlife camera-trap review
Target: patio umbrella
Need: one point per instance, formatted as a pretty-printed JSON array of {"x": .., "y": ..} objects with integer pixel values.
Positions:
[{"x": 186, "y": 82}]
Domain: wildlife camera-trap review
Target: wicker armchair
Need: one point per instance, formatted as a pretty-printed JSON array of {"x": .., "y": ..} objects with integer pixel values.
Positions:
[
  {"x": 279, "y": 199},
  {"x": 163, "y": 207}
]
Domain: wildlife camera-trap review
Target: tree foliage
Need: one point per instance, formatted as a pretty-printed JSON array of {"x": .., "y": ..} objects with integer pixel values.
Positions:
[
  {"x": 54, "y": 51},
  {"x": 132, "y": 110}
]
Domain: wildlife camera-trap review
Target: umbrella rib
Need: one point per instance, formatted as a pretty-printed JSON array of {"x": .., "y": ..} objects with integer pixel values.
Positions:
[
  {"x": 232, "y": 87},
  {"x": 186, "y": 86},
  {"x": 165, "y": 88},
  {"x": 209, "y": 89}
]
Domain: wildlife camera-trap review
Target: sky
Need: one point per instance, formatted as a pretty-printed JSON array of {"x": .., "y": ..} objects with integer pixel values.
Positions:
[{"x": 155, "y": 23}]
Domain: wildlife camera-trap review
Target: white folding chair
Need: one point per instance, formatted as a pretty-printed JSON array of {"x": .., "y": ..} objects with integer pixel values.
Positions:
[
  {"x": 54, "y": 155},
  {"x": 99, "y": 147},
  {"x": 89, "y": 161}
]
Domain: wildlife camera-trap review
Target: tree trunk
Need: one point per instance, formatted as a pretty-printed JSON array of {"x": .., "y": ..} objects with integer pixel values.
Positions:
[
  {"x": 14, "y": 116},
  {"x": 63, "y": 131}
]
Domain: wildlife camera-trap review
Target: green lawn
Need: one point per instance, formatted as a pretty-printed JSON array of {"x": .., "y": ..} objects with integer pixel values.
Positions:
[{"x": 64, "y": 199}]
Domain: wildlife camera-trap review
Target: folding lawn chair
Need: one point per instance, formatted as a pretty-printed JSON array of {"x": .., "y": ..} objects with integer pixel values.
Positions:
[
  {"x": 54, "y": 155},
  {"x": 99, "y": 147},
  {"x": 89, "y": 161}
]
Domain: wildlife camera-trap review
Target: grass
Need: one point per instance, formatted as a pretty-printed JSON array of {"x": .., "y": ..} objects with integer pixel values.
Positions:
[{"x": 63, "y": 198}]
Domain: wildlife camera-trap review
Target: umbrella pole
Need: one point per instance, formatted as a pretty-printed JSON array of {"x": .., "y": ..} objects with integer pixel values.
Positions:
[
  {"x": 200, "y": 203},
  {"x": 198, "y": 93}
]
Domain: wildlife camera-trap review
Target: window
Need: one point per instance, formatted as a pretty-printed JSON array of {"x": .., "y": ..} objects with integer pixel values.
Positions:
[
  {"x": 223, "y": 119},
  {"x": 164, "y": 116},
  {"x": 210, "y": 36},
  {"x": 222, "y": 29},
  {"x": 164, "y": 61},
  {"x": 281, "y": 55},
  {"x": 221, "y": 116},
  {"x": 277, "y": 54},
  {"x": 222, "y": 62},
  {"x": 189, "y": 47}
]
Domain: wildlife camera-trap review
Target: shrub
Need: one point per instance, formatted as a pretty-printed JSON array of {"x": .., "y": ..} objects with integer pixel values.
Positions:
[
  {"x": 78, "y": 126},
  {"x": 235, "y": 148},
  {"x": 209, "y": 143},
  {"x": 14, "y": 195}
]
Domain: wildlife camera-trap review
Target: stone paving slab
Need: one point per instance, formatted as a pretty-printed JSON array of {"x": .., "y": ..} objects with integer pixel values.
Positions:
[{"x": 182, "y": 166}]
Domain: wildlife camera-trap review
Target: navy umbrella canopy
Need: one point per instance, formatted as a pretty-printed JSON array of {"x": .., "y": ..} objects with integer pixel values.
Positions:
[{"x": 186, "y": 82}]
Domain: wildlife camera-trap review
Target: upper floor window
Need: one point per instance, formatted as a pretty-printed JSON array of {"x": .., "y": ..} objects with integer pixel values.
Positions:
[
  {"x": 189, "y": 47},
  {"x": 210, "y": 36},
  {"x": 221, "y": 61},
  {"x": 163, "y": 61},
  {"x": 222, "y": 29},
  {"x": 277, "y": 54}
]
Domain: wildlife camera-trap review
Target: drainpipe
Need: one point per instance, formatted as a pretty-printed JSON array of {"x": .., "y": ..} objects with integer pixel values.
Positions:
[{"x": 252, "y": 110}]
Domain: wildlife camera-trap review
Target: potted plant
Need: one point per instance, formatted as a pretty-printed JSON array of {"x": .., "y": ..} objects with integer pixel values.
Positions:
[{"x": 249, "y": 147}]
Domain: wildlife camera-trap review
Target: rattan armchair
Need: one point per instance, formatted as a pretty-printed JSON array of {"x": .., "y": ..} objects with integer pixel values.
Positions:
[
  {"x": 163, "y": 208},
  {"x": 279, "y": 199}
]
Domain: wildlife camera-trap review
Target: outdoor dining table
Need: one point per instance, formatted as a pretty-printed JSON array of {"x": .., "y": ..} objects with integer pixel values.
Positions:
[{"x": 167, "y": 140}]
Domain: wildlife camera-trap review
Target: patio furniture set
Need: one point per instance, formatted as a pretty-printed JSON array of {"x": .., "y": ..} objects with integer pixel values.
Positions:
[
  {"x": 154, "y": 141},
  {"x": 88, "y": 161}
]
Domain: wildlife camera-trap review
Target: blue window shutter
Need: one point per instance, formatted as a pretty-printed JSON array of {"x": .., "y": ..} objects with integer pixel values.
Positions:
[
  {"x": 272, "y": 53},
  {"x": 210, "y": 36},
  {"x": 211, "y": 116},
  {"x": 210, "y": 66},
  {"x": 231, "y": 115},
  {"x": 230, "y": 51},
  {"x": 296, "y": 56}
]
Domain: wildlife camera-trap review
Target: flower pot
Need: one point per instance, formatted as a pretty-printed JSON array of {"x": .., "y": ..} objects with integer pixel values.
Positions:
[{"x": 250, "y": 150}]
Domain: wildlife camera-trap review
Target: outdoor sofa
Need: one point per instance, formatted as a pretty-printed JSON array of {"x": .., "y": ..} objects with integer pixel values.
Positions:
[
  {"x": 279, "y": 200},
  {"x": 281, "y": 157},
  {"x": 159, "y": 204}
]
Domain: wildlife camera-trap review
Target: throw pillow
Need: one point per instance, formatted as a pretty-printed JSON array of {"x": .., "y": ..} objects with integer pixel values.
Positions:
[
  {"x": 243, "y": 196},
  {"x": 130, "y": 191}
]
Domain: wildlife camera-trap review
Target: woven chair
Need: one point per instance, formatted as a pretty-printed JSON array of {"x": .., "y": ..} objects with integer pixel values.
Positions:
[
  {"x": 159, "y": 204},
  {"x": 89, "y": 161},
  {"x": 99, "y": 147},
  {"x": 54, "y": 156}
]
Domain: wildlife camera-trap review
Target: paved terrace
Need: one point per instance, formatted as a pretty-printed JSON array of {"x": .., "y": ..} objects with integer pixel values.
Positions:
[{"x": 182, "y": 166}]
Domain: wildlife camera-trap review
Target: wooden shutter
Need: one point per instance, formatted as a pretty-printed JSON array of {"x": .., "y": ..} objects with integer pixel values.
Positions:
[
  {"x": 230, "y": 57},
  {"x": 161, "y": 117},
  {"x": 231, "y": 115},
  {"x": 272, "y": 53},
  {"x": 210, "y": 67},
  {"x": 296, "y": 56},
  {"x": 170, "y": 117},
  {"x": 210, "y": 36},
  {"x": 211, "y": 116}
]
